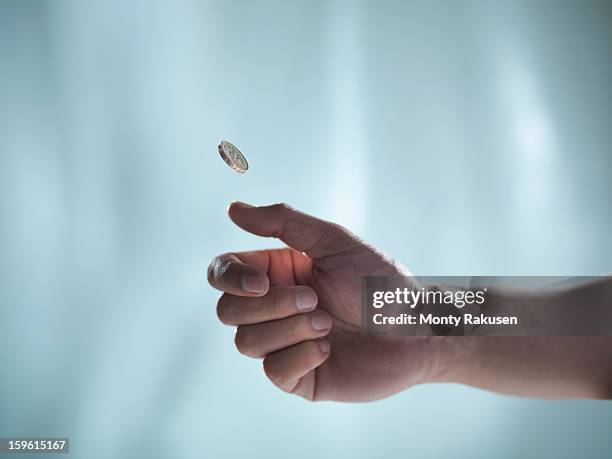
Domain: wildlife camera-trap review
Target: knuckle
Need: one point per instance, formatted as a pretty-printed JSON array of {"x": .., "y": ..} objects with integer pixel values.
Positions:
[
  {"x": 270, "y": 370},
  {"x": 244, "y": 342},
  {"x": 241, "y": 341},
  {"x": 282, "y": 207},
  {"x": 338, "y": 227},
  {"x": 225, "y": 310},
  {"x": 275, "y": 303},
  {"x": 312, "y": 353},
  {"x": 340, "y": 230},
  {"x": 293, "y": 327},
  {"x": 275, "y": 373}
]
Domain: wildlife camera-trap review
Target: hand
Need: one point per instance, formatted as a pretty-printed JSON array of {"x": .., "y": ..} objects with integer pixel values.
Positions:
[{"x": 299, "y": 307}]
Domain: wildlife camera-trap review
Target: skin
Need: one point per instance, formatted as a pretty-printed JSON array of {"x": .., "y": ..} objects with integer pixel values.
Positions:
[{"x": 315, "y": 347}]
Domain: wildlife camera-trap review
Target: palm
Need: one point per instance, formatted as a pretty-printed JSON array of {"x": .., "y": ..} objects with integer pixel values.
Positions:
[{"x": 359, "y": 366}]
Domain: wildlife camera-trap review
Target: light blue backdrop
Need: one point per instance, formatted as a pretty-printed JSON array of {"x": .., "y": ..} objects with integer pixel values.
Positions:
[{"x": 463, "y": 137}]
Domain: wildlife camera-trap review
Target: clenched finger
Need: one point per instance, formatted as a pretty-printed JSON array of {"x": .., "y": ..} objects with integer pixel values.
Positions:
[
  {"x": 285, "y": 367},
  {"x": 278, "y": 303},
  {"x": 229, "y": 274},
  {"x": 260, "y": 339}
]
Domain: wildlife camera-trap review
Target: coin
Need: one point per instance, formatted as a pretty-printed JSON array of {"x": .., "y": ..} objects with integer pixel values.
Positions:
[{"x": 232, "y": 156}]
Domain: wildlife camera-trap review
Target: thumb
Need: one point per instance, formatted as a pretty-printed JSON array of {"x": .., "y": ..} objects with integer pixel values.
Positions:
[{"x": 315, "y": 237}]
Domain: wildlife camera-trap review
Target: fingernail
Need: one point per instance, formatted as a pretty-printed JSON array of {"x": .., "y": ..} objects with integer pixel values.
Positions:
[
  {"x": 241, "y": 204},
  {"x": 252, "y": 283},
  {"x": 305, "y": 299},
  {"x": 324, "y": 345},
  {"x": 320, "y": 321}
]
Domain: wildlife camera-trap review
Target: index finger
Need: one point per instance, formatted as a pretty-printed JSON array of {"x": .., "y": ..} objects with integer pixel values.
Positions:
[{"x": 230, "y": 274}]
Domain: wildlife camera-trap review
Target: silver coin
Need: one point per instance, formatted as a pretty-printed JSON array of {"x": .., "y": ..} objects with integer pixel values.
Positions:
[{"x": 232, "y": 156}]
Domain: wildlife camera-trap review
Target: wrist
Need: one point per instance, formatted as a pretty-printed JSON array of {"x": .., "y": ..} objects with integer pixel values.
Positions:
[{"x": 455, "y": 359}]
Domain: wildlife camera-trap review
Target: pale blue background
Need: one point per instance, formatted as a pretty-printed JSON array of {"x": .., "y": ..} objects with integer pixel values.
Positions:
[{"x": 463, "y": 137}]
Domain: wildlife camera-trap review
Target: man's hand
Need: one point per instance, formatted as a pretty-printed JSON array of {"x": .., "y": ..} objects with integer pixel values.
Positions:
[{"x": 298, "y": 308}]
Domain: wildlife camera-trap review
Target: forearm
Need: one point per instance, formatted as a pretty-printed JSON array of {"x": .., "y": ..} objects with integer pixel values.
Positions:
[{"x": 550, "y": 367}]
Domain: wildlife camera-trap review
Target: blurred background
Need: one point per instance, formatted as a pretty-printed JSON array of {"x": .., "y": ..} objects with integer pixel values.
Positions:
[{"x": 463, "y": 137}]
